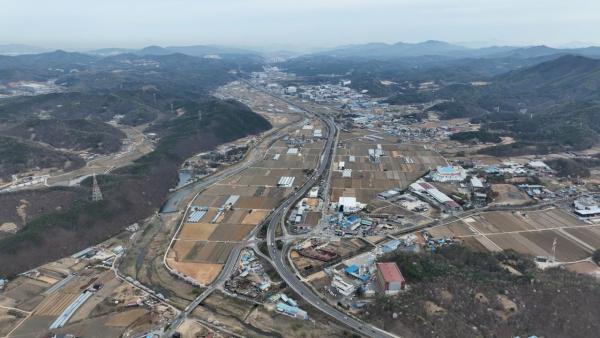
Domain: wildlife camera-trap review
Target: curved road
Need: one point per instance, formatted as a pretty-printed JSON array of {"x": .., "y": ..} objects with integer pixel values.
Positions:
[{"x": 278, "y": 256}]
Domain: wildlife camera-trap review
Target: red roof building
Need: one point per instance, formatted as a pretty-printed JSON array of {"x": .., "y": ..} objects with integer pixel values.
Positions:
[{"x": 390, "y": 278}]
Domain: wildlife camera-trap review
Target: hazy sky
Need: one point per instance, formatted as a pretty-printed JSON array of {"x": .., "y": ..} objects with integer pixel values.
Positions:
[{"x": 309, "y": 23}]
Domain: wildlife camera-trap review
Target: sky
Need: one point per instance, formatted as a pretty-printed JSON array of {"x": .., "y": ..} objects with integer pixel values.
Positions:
[{"x": 81, "y": 24}]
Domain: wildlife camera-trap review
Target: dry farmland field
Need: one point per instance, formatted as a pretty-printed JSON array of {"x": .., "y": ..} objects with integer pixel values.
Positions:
[
  {"x": 400, "y": 165},
  {"x": 531, "y": 233},
  {"x": 240, "y": 203}
]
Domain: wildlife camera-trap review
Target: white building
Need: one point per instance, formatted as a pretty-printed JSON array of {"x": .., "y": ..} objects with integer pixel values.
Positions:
[
  {"x": 286, "y": 182},
  {"x": 343, "y": 287},
  {"x": 539, "y": 166},
  {"x": 586, "y": 207},
  {"x": 449, "y": 174},
  {"x": 350, "y": 204}
]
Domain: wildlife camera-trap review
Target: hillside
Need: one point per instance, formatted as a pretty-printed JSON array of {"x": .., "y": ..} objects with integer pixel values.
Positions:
[
  {"x": 73, "y": 134},
  {"x": 19, "y": 156},
  {"x": 131, "y": 193},
  {"x": 460, "y": 293},
  {"x": 137, "y": 107},
  {"x": 566, "y": 78},
  {"x": 554, "y": 103}
]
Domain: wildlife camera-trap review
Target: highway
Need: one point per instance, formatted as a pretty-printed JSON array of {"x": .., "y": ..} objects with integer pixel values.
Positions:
[
  {"x": 278, "y": 256},
  {"x": 172, "y": 205}
]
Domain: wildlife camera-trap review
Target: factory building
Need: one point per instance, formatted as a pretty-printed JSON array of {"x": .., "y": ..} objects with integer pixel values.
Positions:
[
  {"x": 292, "y": 311},
  {"x": 432, "y": 195},
  {"x": 449, "y": 174},
  {"x": 586, "y": 207},
  {"x": 390, "y": 279}
]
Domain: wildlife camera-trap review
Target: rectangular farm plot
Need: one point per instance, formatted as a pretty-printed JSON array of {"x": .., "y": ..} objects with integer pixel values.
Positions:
[
  {"x": 566, "y": 249},
  {"x": 181, "y": 249},
  {"x": 231, "y": 232},
  {"x": 504, "y": 221},
  {"x": 210, "y": 200},
  {"x": 554, "y": 218},
  {"x": 208, "y": 252},
  {"x": 460, "y": 229},
  {"x": 55, "y": 304},
  {"x": 499, "y": 221},
  {"x": 518, "y": 243},
  {"x": 255, "y": 217},
  {"x": 539, "y": 243},
  {"x": 589, "y": 235},
  {"x": 196, "y": 231},
  {"x": 234, "y": 216},
  {"x": 223, "y": 191},
  {"x": 257, "y": 203},
  {"x": 204, "y": 273}
]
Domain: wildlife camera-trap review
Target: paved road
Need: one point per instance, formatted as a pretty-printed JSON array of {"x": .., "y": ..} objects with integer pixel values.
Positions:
[
  {"x": 172, "y": 205},
  {"x": 278, "y": 256}
]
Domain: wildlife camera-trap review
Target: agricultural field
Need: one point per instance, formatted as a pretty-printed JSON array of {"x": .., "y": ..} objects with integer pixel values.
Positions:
[
  {"x": 398, "y": 167},
  {"x": 236, "y": 205},
  {"x": 531, "y": 233}
]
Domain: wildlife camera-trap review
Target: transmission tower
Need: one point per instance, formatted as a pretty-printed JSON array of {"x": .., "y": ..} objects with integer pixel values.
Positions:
[
  {"x": 554, "y": 250},
  {"x": 96, "y": 193}
]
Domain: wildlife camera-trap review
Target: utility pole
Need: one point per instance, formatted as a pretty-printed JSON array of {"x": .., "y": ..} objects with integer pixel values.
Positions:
[{"x": 96, "y": 193}]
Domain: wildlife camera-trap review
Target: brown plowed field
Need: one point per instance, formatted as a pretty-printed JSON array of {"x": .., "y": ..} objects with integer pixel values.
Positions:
[
  {"x": 590, "y": 236},
  {"x": 204, "y": 273},
  {"x": 255, "y": 216},
  {"x": 230, "y": 232},
  {"x": 55, "y": 304},
  {"x": 197, "y": 231},
  {"x": 208, "y": 252}
]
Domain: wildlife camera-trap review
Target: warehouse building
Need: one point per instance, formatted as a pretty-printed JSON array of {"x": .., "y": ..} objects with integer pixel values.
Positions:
[
  {"x": 432, "y": 195},
  {"x": 449, "y": 174},
  {"x": 390, "y": 279},
  {"x": 292, "y": 311}
]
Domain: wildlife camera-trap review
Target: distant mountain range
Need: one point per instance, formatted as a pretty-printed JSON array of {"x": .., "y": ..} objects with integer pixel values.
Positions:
[
  {"x": 375, "y": 51},
  {"x": 19, "y": 49},
  {"x": 384, "y": 51},
  {"x": 198, "y": 50}
]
